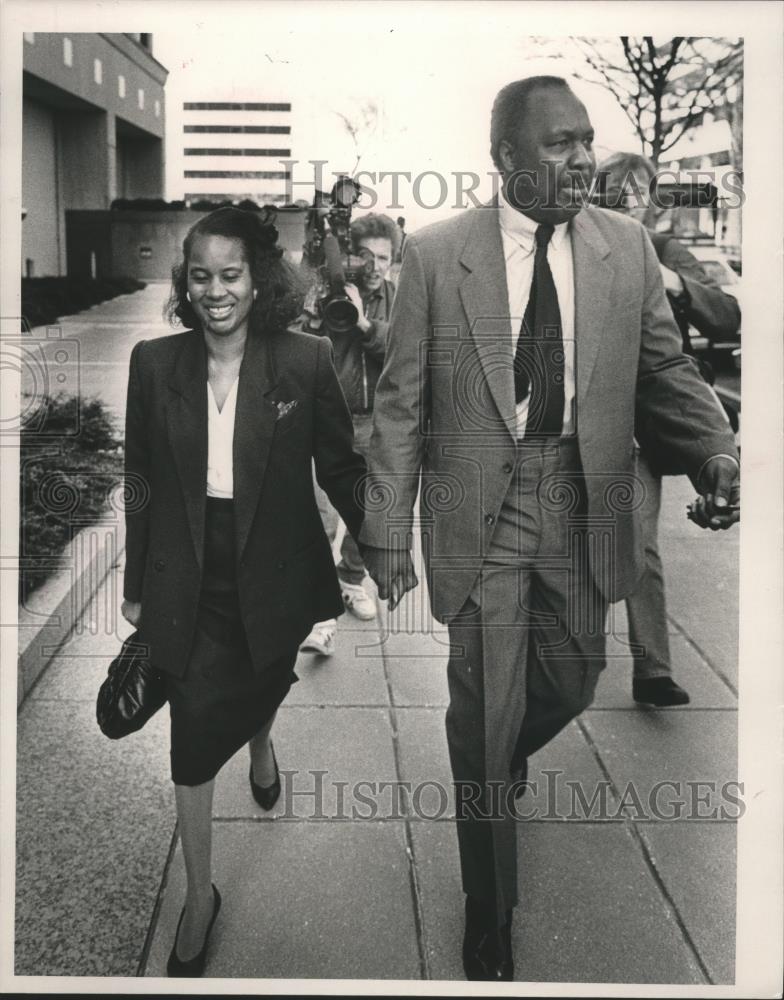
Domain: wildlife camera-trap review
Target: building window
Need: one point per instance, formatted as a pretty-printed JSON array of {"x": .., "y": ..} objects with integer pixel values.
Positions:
[
  {"x": 234, "y": 106},
  {"x": 97, "y": 71},
  {"x": 29, "y": 36},
  {"x": 140, "y": 94},
  {"x": 246, "y": 129},
  {"x": 266, "y": 175},
  {"x": 157, "y": 109},
  {"x": 68, "y": 52},
  {"x": 121, "y": 85},
  {"x": 210, "y": 151}
]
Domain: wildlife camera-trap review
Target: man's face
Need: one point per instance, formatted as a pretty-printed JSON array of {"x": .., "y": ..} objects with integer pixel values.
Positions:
[
  {"x": 629, "y": 192},
  {"x": 377, "y": 250},
  {"x": 554, "y": 147}
]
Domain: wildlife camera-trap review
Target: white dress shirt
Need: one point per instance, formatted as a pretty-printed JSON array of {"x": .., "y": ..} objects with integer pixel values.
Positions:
[
  {"x": 518, "y": 236},
  {"x": 220, "y": 441}
]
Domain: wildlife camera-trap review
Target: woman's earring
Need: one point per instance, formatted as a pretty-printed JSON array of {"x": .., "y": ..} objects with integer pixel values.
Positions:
[
  {"x": 188, "y": 296},
  {"x": 255, "y": 292}
]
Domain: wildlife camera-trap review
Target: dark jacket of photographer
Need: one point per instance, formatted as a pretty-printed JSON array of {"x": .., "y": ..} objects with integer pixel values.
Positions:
[
  {"x": 358, "y": 356},
  {"x": 703, "y": 303}
]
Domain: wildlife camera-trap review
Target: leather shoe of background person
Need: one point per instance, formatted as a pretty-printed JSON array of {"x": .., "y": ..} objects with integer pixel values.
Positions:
[
  {"x": 659, "y": 691},
  {"x": 487, "y": 948}
]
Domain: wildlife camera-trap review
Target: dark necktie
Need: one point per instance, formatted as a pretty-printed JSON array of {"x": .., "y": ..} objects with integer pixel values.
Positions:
[{"x": 539, "y": 358}]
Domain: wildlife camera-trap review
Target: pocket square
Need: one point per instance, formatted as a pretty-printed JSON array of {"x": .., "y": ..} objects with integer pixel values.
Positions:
[{"x": 285, "y": 408}]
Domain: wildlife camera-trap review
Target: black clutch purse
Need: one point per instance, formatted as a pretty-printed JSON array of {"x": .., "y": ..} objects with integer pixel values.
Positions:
[{"x": 132, "y": 692}]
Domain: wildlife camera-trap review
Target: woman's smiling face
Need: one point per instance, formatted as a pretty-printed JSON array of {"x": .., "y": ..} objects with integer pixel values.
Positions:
[{"x": 220, "y": 285}]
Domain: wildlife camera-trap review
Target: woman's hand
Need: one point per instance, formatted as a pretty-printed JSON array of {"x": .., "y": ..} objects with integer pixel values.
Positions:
[{"x": 131, "y": 612}]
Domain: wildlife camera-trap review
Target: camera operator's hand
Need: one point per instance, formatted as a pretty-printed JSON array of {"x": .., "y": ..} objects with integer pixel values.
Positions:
[{"x": 356, "y": 299}]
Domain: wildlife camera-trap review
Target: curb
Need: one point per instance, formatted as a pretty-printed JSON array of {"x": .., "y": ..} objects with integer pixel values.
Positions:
[{"x": 50, "y": 612}]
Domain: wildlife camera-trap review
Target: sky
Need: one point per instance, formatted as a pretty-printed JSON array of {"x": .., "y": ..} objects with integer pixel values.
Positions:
[{"x": 432, "y": 89}]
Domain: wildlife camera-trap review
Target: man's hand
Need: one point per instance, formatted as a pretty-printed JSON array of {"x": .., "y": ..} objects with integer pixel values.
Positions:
[
  {"x": 356, "y": 299},
  {"x": 131, "y": 612},
  {"x": 718, "y": 506},
  {"x": 672, "y": 281},
  {"x": 392, "y": 571}
]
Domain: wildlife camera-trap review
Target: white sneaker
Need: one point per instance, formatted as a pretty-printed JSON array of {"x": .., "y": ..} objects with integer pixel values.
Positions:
[
  {"x": 321, "y": 639},
  {"x": 358, "y": 601}
]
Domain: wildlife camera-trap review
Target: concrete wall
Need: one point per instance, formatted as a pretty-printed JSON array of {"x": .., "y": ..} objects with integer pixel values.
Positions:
[
  {"x": 145, "y": 245},
  {"x": 39, "y": 189}
]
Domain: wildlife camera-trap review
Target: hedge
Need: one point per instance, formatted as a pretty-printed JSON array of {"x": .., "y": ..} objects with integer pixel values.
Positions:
[
  {"x": 66, "y": 480},
  {"x": 45, "y": 300}
]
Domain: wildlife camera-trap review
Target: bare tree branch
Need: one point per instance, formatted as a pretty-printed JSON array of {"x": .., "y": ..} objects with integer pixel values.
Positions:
[{"x": 665, "y": 89}]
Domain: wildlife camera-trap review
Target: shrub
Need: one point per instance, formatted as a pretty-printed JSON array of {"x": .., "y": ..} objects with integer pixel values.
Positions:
[
  {"x": 66, "y": 480},
  {"x": 45, "y": 300}
]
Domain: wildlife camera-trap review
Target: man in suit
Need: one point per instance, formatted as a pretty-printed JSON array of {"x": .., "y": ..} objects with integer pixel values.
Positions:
[
  {"x": 698, "y": 301},
  {"x": 529, "y": 341}
]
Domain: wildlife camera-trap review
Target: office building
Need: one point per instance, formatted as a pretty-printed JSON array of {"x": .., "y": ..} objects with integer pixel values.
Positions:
[
  {"x": 233, "y": 150},
  {"x": 93, "y": 127}
]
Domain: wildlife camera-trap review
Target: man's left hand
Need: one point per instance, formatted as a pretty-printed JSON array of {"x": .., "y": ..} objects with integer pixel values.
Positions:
[
  {"x": 356, "y": 300},
  {"x": 718, "y": 506}
]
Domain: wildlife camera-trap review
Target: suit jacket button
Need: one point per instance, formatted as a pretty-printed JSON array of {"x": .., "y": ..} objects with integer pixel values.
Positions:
[
  {"x": 507, "y": 467},
  {"x": 489, "y": 519},
  {"x": 160, "y": 565}
]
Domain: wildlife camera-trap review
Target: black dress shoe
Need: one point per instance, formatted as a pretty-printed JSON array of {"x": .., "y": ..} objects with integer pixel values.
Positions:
[
  {"x": 487, "y": 948},
  {"x": 266, "y": 795},
  {"x": 659, "y": 691},
  {"x": 194, "y": 967}
]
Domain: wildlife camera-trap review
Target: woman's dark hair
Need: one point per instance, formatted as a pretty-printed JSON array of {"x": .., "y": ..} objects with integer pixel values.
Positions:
[{"x": 279, "y": 291}]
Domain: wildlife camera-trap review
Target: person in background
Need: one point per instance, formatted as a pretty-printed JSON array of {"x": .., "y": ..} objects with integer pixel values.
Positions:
[
  {"x": 227, "y": 563},
  {"x": 401, "y": 225},
  {"x": 359, "y": 357},
  {"x": 696, "y": 300}
]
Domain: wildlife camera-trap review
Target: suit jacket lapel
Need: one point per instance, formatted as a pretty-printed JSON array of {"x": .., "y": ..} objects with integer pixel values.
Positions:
[
  {"x": 592, "y": 281},
  {"x": 485, "y": 298},
  {"x": 186, "y": 419},
  {"x": 254, "y": 427}
]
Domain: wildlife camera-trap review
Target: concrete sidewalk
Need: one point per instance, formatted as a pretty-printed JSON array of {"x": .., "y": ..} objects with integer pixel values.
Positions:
[{"x": 369, "y": 887}]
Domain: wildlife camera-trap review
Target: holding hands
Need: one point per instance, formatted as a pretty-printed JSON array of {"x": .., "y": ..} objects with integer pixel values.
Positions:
[
  {"x": 718, "y": 506},
  {"x": 392, "y": 571}
]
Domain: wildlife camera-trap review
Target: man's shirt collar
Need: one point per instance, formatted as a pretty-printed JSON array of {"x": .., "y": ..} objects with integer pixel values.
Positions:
[{"x": 522, "y": 230}]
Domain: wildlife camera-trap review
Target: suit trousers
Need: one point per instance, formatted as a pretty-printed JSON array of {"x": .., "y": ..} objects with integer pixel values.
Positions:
[
  {"x": 526, "y": 651},
  {"x": 646, "y": 608}
]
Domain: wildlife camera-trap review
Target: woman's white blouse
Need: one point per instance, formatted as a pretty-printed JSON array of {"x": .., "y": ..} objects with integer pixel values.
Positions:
[{"x": 220, "y": 439}]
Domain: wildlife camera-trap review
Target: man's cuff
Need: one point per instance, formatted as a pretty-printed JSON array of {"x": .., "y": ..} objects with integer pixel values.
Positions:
[{"x": 732, "y": 458}]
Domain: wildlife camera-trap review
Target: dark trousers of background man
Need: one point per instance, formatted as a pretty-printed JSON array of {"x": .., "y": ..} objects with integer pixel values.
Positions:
[
  {"x": 525, "y": 656},
  {"x": 351, "y": 568}
]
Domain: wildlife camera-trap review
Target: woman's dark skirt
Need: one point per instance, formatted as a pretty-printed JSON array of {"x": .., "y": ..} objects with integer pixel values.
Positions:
[{"x": 220, "y": 702}]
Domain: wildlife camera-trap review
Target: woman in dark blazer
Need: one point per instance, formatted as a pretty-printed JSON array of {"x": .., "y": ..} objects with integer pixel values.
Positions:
[{"x": 227, "y": 564}]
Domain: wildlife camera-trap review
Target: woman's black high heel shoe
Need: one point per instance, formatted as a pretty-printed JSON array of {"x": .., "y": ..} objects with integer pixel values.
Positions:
[
  {"x": 266, "y": 795},
  {"x": 194, "y": 967}
]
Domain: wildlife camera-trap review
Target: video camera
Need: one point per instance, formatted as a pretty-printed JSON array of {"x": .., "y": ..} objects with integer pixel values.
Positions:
[{"x": 327, "y": 251}]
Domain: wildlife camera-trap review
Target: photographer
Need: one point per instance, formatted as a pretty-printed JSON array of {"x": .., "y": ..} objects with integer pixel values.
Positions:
[{"x": 359, "y": 357}]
